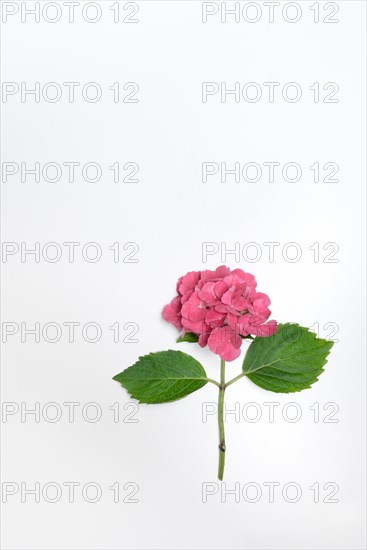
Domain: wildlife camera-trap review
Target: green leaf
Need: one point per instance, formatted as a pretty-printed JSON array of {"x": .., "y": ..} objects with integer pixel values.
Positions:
[
  {"x": 163, "y": 376},
  {"x": 288, "y": 361},
  {"x": 188, "y": 337}
]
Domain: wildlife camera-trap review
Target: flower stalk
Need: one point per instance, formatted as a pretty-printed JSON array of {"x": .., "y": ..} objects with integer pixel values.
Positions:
[{"x": 222, "y": 442}]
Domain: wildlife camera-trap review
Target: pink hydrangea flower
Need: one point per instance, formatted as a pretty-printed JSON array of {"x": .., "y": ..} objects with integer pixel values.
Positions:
[{"x": 220, "y": 307}]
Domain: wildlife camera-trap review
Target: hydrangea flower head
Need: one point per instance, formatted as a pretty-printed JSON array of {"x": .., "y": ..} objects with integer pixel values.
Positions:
[{"x": 221, "y": 307}]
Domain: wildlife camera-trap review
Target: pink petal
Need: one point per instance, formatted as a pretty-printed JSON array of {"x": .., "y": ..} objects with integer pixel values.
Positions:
[
  {"x": 197, "y": 327},
  {"x": 193, "y": 309},
  {"x": 267, "y": 329},
  {"x": 189, "y": 281},
  {"x": 207, "y": 293},
  {"x": 214, "y": 318},
  {"x": 220, "y": 288},
  {"x": 203, "y": 338},
  {"x": 172, "y": 313},
  {"x": 219, "y": 273},
  {"x": 245, "y": 277},
  {"x": 225, "y": 343}
]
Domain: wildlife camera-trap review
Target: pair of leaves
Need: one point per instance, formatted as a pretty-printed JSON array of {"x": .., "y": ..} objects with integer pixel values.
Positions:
[{"x": 288, "y": 361}]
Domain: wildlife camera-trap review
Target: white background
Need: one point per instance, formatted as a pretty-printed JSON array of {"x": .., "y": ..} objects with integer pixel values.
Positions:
[{"x": 170, "y": 213}]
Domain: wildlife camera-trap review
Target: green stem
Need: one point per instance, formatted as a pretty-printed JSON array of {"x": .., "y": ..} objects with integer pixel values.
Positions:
[
  {"x": 222, "y": 443},
  {"x": 213, "y": 382},
  {"x": 235, "y": 379}
]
